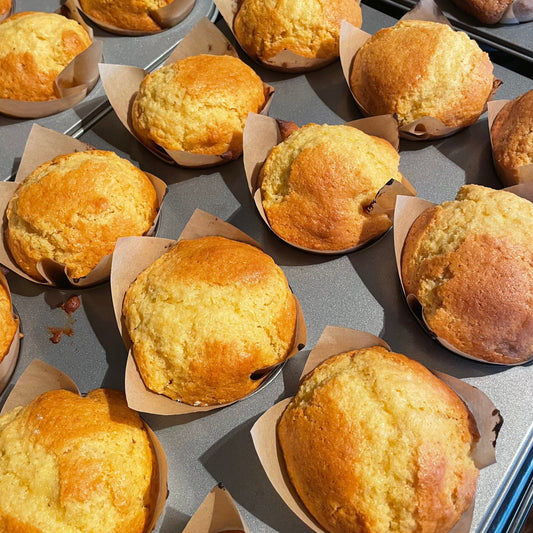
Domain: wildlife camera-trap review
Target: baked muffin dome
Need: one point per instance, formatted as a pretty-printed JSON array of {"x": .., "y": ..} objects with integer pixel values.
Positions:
[
  {"x": 70, "y": 465},
  {"x": 34, "y": 48},
  {"x": 309, "y": 28},
  {"x": 8, "y": 324},
  {"x": 317, "y": 184},
  {"x": 198, "y": 104},
  {"x": 375, "y": 443},
  {"x": 417, "y": 68},
  {"x": 470, "y": 264},
  {"x": 205, "y": 316},
  {"x": 73, "y": 208}
]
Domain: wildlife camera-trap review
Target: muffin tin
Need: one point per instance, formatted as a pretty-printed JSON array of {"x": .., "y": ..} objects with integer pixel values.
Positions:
[{"x": 359, "y": 290}]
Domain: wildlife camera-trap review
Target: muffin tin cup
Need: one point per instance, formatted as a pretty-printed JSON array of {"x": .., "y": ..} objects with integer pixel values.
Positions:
[
  {"x": 121, "y": 83},
  {"x": 335, "y": 340},
  {"x": 124, "y": 271},
  {"x": 9, "y": 362},
  {"x": 407, "y": 211},
  {"x": 39, "y": 377},
  {"x": 43, "y": 145},
  {"x": 262, "y": 133}
]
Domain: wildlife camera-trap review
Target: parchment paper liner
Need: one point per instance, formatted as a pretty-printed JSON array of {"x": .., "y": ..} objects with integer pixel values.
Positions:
[
  {"x": 508, "y": 177},
  {"x": 352, "y": 39},
  {"x": 165, "y": 17},
  {"x": 121, "y": 84},
  {"x": 125, "y": 270},
  {"x": 74, "y": 83},
  {"x": 261, "y": 134},
  {"x": 216, "y": 514},
  {"x": 43, "y": 145},
  {"x": 39, "y": 377},
  {"x": 9, "y": 362},
  {"x": 517, "y": 12},
  {"x": 407, "y": 210},
  {"x": 285, "y": 61},
  {"x": 335, "y": 340}
]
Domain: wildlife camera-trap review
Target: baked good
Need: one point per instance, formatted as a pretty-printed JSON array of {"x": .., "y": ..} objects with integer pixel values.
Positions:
[
  {"x": 133, "y": 15},
  {"x": 5, "y": 7},
  {"x": 418, "y": 68},
  {"x": 512, "y": 138},
  {"x": 470, "y": 264},
  {"x": 70, "y": 463},
  {"x": 198, "y": 104},
  {"x": 317, "y": 185},
  {"x": 206, "y": 316},
  {"x": 374, "y": 443},
  {"x": 34, "y": 48},
  {"x": 8, "y": 324},
  {"x": 486, "y": 11},
  {"x": 73, "y": 208},
  {"x": 309, "y": 28}
]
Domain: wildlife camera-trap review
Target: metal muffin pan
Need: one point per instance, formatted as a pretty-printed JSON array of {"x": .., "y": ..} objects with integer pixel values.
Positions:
[{"x": 359, "y": 290}]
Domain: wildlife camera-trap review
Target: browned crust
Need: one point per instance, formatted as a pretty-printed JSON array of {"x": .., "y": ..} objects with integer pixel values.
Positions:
[{"x": 486, "y": 11}]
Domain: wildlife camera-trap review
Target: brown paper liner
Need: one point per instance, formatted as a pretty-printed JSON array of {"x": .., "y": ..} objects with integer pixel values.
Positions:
[
  {"x": 9, "y": 362},
  {"x": 124, "y": 271},
  {"x": 73, "y": 83},
  {"x": 216, "y": 514},
  {"x": 165, "y": 17},
  {"x": 517, "y": 12},
  {"x": 407, "y": 211},
  {"x": 40, "y": 377},
  {"x": 43, "y": 145},
  {"x": 262, "y": 133},
  {"x": 121, "y": 84},
  {"x": 333, "y": 341}
]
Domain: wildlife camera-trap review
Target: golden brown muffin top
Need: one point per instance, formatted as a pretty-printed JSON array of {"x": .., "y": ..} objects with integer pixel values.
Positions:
[
  {"x": 5, "y": 6},
  {"x": 417, "y": 68},
  {"x": 205, "y": 316},
  {"x": 375, "y": 443},
  {"x": 70, "y": 465},
  {"x": 309, "y": 28},
  {"x": 34, "y": 48},
  {"x": 73, "y": 208},
  {"x": 8, "y": 324},
  {"x": 317, "y": 184},
  {"x": 486, "y": 11},
  {"x": 198, "y": 104},
  {"x": 470, "y": 264}
]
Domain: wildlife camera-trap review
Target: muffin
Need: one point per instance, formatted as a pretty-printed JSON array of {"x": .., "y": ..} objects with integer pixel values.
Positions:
[
  {"x": 198, "y": 104},
  {"x": 206, "y": 318},
  {"x": 5, "y": 7},
  {"x": 317, "y": 185},
  {"x": 70, "y": 463},
  {"x": 486, "y": 11},
  {"x": 72, "y": 209},
  {"x": 8, "y": 324},
  {"x": 512, "y": 138},
  {"x": 133, "y": 15},
  {"x": 34, "y": 48},
  {"x": 417, "y": 68},
  {"x": 375, "y": 443},
  {"x": 470, "y": 264},
  {"x": 309, "y": 28}
]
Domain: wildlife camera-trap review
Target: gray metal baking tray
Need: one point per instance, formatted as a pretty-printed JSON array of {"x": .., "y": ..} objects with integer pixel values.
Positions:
[{"x": 359, "y": 290}]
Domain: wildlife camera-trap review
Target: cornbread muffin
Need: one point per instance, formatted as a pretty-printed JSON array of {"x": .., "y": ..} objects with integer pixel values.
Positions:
[
  {"x": 470, "y": 264},
  {"x": 309, "y": 28},
  {"x": 70, "y": 465},
  {"x": 34, "y": 48},
  {"x": 418, "y": 68},
  {"x": 5, "y": 6},
  {"x": 205, "y": 316},
  {"x": 8, "y": 324},
  {"x": 198, "y": 104},
  {"x": 512, "y": 138},
  {"x": 486, "y": 11},
  {"x": 73, "y": 208},
  {"x": 375, "y": 443},
  {"x": 317, "y": 184},
  {"x": 126, "y": 14}
]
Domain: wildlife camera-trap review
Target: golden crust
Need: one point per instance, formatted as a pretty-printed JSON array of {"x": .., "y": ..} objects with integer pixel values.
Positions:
[
  {"x": 317, "y": 184},
  {"x": 309, "y": 28},
  {"x": 205, "y": 316},
  {"x": 5, "y": 6},
  {"x": 470, "y": 264},
  {"x": 375, "y": 443},
  {"x": 418, "y": 68},
  {"x": 486, "y": 11},
  {"x": 8, "y": 324},
  {"x": 198, "y": 104},
  {"x": 69, "y": 463},
  {"x": 34, "y": 48},
  {"x": 73, "y": 208}
]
